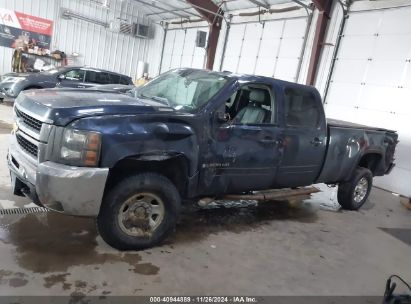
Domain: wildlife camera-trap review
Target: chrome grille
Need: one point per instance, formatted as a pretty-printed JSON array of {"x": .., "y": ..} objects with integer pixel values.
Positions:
[
  {"x": 27, "y": 145},
  {"x": 28, "y": 120}
]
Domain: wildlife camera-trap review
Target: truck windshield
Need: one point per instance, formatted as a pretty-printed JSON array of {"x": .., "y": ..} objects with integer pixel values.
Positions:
[{"x": 184, "y": 90}]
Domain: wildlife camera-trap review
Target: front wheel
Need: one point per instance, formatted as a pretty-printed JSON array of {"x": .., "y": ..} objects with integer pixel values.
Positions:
[
  {"x": 139, "y": 212},
  {"x": 353, "y": 193}
]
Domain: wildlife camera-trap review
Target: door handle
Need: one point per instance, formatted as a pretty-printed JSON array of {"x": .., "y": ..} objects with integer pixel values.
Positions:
[
  {"x": 316, "y": 141},
  {"x": 81, "y": 87},
  {"x": 270, "y": 140}
]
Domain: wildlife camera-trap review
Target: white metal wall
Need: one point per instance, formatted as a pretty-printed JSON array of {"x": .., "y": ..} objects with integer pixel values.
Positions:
[
  {"x": 97, "y": 46},
  {"x": 180, "y": 49},
  {"x": 328, "y": 49},
  {"x": 371, "y": 82},
  {"x": 272, "y": 48}
]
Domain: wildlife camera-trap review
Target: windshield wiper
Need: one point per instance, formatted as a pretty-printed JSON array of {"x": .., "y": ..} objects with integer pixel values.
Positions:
[{"x": 163, "y": 100}]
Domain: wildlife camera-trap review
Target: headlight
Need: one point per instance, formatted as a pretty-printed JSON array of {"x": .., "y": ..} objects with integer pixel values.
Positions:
[
  {"x": 13, "y": 79},
  {"x": 80, "y": 148}
]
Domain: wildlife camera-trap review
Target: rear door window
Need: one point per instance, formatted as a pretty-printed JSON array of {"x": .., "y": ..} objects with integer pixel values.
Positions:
[
  {"x": 103, "y": 78},
  {"x": 97, "y": 77},
  {"x": 91, "y": 77},
  {"x": 301, "y": 109},
  {"x": 115, "y": 79}
]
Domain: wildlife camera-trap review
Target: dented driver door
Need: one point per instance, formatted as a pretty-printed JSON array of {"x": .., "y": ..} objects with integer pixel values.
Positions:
[{"x": 242, "y": 156}]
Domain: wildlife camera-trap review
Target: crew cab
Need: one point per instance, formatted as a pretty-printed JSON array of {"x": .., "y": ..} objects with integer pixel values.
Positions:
[{"x": 132, "y": 161}]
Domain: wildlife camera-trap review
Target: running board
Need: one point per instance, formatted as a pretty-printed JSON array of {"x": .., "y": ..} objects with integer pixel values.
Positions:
[
  {"x": 275, "y": 194},
  {"x": 266, "y": 195}
]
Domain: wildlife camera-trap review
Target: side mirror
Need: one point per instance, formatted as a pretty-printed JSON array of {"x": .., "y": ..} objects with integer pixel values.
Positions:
[
  {"x": 222, "y": 117},
  {"x": 61, "y": 77}
]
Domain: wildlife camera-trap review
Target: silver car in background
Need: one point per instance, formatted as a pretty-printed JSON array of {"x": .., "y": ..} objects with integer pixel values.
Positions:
[{"x": 71, "y": 77}]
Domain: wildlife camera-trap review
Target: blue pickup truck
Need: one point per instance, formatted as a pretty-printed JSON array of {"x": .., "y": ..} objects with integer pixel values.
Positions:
[{"x": 132, "y": 161}]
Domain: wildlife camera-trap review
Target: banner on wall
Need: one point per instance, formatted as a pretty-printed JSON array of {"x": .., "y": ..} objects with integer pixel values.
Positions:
[{"x": 18, "y": 29}]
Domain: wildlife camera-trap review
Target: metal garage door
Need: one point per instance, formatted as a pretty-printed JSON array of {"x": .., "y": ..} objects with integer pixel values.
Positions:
[
  {"x": 180, "y": 50},
  {"x": 270, "y": 49},
  {"x": 371, "y": 82}
]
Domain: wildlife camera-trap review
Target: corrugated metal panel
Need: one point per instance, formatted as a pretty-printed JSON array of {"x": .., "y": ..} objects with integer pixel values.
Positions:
[
  {"x": 180, "y": 49},
  {"x": 308, "y": 49},
  {"x": 244, "y": 4},
  {"x": 270, "y": 49},
  {"x": 371, "y": 83},
  {"x": 153, "y": 54},
  {"x": 328, "y": 49},
  {"x": 171, "y": 9},
  {"x": 97, "y": 46},
  {"x": 290, "y": 43}
]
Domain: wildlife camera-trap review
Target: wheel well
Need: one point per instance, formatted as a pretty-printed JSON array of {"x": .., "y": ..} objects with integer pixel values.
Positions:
[
  {"x": 175, "y": 169},
  {"x": 370, "y": 161}
]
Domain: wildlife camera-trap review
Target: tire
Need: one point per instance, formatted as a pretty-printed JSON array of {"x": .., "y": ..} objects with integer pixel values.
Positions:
[
  {"x": 352, "y": 198},
  {"x": 124, "y": 222}
]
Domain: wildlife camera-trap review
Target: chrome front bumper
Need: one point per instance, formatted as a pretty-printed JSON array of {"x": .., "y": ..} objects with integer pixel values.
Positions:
[
  {"x": 4, "y": 94},
  {"x": 5, "y": 97},
  {"x": 66, "y": 189}
]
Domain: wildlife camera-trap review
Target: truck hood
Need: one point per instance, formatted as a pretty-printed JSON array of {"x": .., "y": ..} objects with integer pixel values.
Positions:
[
  {"x": 16, "y": 75},
  {"x": 29, "y": 76},
  {"x": 6, "y": 78},
  {"x": 61, "y": 106}
]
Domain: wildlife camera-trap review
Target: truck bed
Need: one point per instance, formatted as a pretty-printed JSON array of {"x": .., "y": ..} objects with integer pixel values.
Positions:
[
  {"x": 345, "y": 124},
  {"x": 347, "y": 143}
]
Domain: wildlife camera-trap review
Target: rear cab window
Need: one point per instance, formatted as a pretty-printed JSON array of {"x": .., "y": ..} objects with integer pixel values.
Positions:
[{"x": 114, "y": 78}]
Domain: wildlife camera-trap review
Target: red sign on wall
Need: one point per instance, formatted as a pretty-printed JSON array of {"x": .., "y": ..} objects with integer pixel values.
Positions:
[
  {"x": 35, "y": 24},
  {"x": 15, "y": 25}
]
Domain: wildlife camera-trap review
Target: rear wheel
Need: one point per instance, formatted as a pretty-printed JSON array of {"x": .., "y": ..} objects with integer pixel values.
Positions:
[
  {"x": 139, "y": 212},
  {"x": 353, "y": 194}
]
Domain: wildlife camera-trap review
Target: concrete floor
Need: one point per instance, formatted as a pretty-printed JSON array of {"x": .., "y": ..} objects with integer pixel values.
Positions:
[{"x": 279, "y": 248}]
